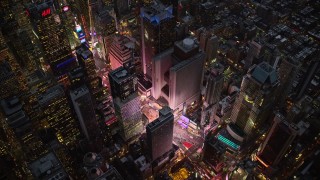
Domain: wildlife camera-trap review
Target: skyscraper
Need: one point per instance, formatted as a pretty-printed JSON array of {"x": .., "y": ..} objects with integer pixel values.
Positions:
[
  {"x": 170, "y": 70},
  {"x": 211, "y": 48},
  {"x": 213, "y": 87},
  {"x": 12, "y": 80},
  {"x": 24, "y": 137},
  {"x": 8, "y": 81},
  {"x": 126, "y": 102},
  {"x": 160, "y": 134},
  {"x": 253, "y": 52},
  {"x": 84, "y": 108},
  {"x": 212, "y": 95},
  {"x": 52, "y": 36},
  {"x": 121, "y": 7},
  {"x": 122, "y": 83},
  {"x": 277, "y": 142},
  {"x": 288, "y": 71},
  {"x": 255, "y": 101},
  {"x": 105, "y": 26},
  {"x": 188, "y": 62},
  {"x": 85, "y": 59},
  {"x": 21, "y": 38},
  {"x": 157, "y": 24},
  {"x": 55, "y": 113},
  {"x": 121, "y": 52},
  {"x": 207, "y": 11}
]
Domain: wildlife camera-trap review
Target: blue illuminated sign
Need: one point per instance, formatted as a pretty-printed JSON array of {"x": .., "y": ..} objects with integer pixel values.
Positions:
[{"x": 64, "y": 63}]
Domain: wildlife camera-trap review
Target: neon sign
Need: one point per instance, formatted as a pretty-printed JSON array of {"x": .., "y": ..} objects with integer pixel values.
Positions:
[
  {"x": 27, "y": 12},
  {"x": 228, "y": 142},
  {"x": 65, "y": 8},
  {"x": 78, "y": 28},
  {"x": 46, "y": 12}
]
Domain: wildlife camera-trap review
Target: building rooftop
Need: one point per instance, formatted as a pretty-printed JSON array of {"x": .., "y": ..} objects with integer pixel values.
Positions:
[
  {"x": 142, "y": 163},
  {"x": 84, "y": 52},
  {"x": 92, "y": 160},
  {"x": 17, "y": 119},
  {"x": 208, "y": 5},
  {"x": 164, "y": 113},
  {"x": 48, "y": 167},
  {"x": 264, "y": 73},
  {"x": 35, "y": 77},
  {"x": 187, "y": 44},
  {"x": 111, "y": 174},
  {"x": 156, "y": 12},
  {"x": 50, "y": 94},
  {"x": 182, "y": 64},
  {"x": 224, "y": 137},
  {"x": 83, "y": 90},
  {"x": 5, "y": 71},
  {"x": 11, "y": 105},
  {"x": 120, "y": 74},
  {"x": 302, "y": 126}
]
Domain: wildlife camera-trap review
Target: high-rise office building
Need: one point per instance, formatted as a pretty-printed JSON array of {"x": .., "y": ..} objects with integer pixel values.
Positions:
[
  {"x": 55, "y": 113},
  {"x": 204, "y": 36},
  {"x": 105, "y": 26},
  {"x": 12, "y": 80},
  {"x": 8, "y": 81},
  {"x": 212, "y": 48},
  {"x": 255, "y": 101},
  {"x": 121, "y": 52},
  {"x": 253, "y": 52},
  {"x": 19, "y": 142},
  {"x": 295, "y": 75},
  {"x": 160, "y": 134},
  {"x": 52, "y": 37},
  {"x": 84, "y": 108},
  {"x": 170, "y": 70},
  {"x": 214, "y": 150},
  {"x": 288, "y": 71},
  {"x": 22, "y": 40},
  {"x": 85, "y": 59},
  {"x": 77, "y": 77},
  {"x": 21, "y": 125},
  {"x": 190, "y": 64},
  {"x": 122, "y": 83},
  {"x": 157, "y": 24},
  {"x": 214, "y": 87},
  {"x": 277, "y": 142},
  {"x": 207, "y": 11},
  {"x": 122, "y": 7},
  {"x": 126, "y": 102}
]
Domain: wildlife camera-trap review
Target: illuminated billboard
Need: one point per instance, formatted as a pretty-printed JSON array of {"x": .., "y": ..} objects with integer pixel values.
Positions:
[
  {"x": 65, "y": 8},
  {"x": 46, "y": 12},
  {"x": 228, "y": 142}
]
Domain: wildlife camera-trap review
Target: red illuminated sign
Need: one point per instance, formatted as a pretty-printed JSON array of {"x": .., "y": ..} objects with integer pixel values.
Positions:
[
  {"x": 27, "y": 13},
  {"x": 46, "y": 12}
]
